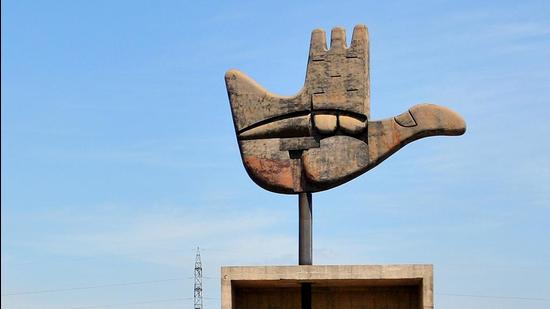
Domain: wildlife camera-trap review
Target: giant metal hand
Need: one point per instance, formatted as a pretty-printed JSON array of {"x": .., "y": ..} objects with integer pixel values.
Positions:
[{"x": 322, "y": 137}]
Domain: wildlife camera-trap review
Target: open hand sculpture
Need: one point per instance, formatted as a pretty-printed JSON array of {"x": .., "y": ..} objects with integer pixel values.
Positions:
[{"x": 322, "y": 137}]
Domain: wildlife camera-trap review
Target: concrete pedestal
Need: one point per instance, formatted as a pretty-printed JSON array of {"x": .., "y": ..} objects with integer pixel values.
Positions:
[{"x": 333, "y": 286}]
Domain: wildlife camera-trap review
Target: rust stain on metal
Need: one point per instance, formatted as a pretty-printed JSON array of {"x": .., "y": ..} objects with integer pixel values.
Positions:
[{"x": 272, "y": 172}]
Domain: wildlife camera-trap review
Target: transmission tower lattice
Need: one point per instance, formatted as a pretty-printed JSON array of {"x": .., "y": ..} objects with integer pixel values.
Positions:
[{"x": 197, "y": 297}]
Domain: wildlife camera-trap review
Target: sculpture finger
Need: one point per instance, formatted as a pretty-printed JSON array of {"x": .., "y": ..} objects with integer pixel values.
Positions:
[
  {"x": 253, "y": 105},
  {"x": 360, "y": 38},
  {"x": 338, "y": 39},
  {"x": 338, "y": 79},
  {"x": 318, "y": 43}
]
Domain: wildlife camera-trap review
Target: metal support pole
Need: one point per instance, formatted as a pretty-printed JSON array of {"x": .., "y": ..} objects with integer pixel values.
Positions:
[
  {"x": 305, "y": 229},
  {"x": 305, "y": 247}
]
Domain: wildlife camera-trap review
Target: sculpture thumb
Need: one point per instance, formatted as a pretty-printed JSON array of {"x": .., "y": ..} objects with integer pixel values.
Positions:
[
  {"x": 387, "y": 136},
  {"x": 324, "y": 168}
]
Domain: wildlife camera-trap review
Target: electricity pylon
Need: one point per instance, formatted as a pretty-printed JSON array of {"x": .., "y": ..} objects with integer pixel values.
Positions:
[{"x": 197, "y": 297}]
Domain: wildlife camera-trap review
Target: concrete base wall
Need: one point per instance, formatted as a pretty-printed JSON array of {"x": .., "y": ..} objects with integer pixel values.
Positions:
[{"x": 333, "y": 287}]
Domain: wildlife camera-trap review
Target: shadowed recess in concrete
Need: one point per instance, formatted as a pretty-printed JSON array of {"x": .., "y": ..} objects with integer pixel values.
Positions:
[{"x": 334, "y": 286}]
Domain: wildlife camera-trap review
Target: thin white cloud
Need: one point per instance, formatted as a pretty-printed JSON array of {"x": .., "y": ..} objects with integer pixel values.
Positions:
[
  {"x": 517, "y": 30},
  {"x": 158, "y": 229}
]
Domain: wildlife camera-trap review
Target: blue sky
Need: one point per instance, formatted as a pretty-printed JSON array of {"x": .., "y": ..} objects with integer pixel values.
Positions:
[{"x": 119, "y": 155}]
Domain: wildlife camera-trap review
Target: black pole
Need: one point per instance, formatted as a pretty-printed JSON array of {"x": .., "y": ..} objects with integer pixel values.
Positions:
[
  {"x": 306, "y": 295},
  {"x": 305, "y": 247},
  {"x": 305, "y": 226}
]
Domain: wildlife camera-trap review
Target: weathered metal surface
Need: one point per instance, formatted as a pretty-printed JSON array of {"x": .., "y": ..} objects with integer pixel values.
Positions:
[{"x": 322, "y": 136}]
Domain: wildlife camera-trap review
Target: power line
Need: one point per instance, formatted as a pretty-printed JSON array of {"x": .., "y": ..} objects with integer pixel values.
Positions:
[
  {"x": 494, "y": 297},
  {"x": 180, "y": 279},
  {"x": 73, "y": 259},
  {"x": 136, "y": 303},
  {"x": 100, "y": 286},
  {"x": 141, "y": 302},
  {"x": 155, "y": 301},
  {"x": 92, "y": 287},
  {"x": 209, "y": 298}
]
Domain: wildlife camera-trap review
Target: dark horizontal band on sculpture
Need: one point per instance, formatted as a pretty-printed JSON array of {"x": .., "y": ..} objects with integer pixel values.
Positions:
[
  {"x": 273, "y": 119},
  {"x": 300, "y": 124},
  {"x": 327, "y": 111}
]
